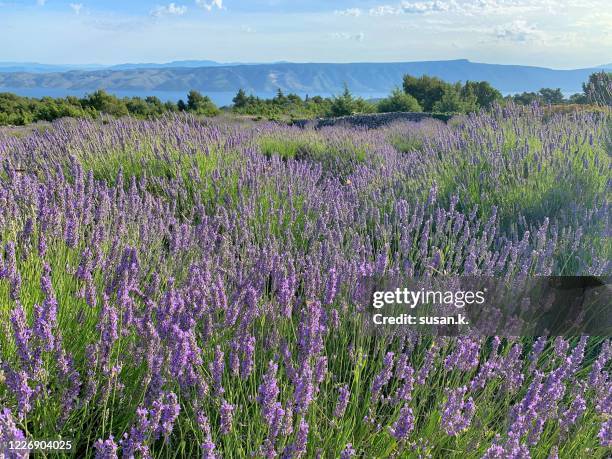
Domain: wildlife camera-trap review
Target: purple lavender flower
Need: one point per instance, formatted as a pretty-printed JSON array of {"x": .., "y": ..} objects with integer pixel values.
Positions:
[
  {"x": 248, "y": 350},
  {"x": 320, "y": 369},
  {"x": 208, "y": 449},
  {"x": 332, "y": 286},
  {"x": 298, "y": 448},
  {"x": 22, "y": 334},
  {"x": 19, "y": 384},
  {"x": 137, "y": 440},
  {"x": 10, "y": 432},
  {"x": 427, "y": 364},
  {"x": 227, "y": 414},
  {"x": 465, "y": 355},
  {"x": 384, "y": 376},
  {"x": 404, "y": 392},
  {"x": 347, "y": 452},
  {"x": 268, "y": 392},
  {"x": 169, "y": 410},
  {"x": 311, "y": 330},
  {"x": 605, "y": 433},
  {"x": 208, "y": 446},
  {"x": 457, "y": 413},
  {"x": 106, "y": 449},
  {"x": 304, "y": 390},
  {"x": 570, "y": 416},
  {"x": 342, "y": 403},
  {"x": 216, "y": 369},
  {"x": 404, "y": 425}
]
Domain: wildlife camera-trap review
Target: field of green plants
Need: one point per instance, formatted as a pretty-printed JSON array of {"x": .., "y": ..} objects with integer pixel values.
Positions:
[{"x": 182, "y": 288}]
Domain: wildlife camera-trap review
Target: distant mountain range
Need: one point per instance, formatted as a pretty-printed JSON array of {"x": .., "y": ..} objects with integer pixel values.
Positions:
[
  {"x": 312, "y": 78},
  {"x": 34, "y": 67}
]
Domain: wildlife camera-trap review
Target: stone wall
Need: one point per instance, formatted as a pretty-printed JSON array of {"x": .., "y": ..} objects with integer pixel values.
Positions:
[{"x": 372, "y": 120}]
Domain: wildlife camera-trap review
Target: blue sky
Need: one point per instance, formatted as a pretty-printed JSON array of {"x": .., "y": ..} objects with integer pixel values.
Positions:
[{"x": 554, "y": 33}]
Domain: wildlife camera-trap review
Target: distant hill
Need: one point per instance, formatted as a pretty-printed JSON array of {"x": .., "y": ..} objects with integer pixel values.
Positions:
[
  {"x": 313, "y": 78},
  {"x": 34, "y": 67},
  {"x": 173, "y": 64}
]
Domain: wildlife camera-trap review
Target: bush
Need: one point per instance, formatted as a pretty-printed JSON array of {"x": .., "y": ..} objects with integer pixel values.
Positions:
[
  {"x": 453, "y": 101},
  {"x": 201, "y": 105},
  {"x": 598, "y": 90},
  {"x": 425, "y": 89},
  {"x": 346, "y": 104},
  {"x": 399, "y": 101}
]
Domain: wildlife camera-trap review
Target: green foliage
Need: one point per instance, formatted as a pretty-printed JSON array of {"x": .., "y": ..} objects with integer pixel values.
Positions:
[
  {"x": 598, "y": 89},
  {"x": 545, "y": 96},
  {"x": 307, "y": 145},
  {"x": 105, "y": 103},
  {"x": 240, "y": 100},
  {"x": 525, "y": 98},
  {"x": 485, "y": 94},
  {"x": 455, "y": 101},
  {"x": 578, "y": 98},
  {"x": 436, "y": 95},
  {"x": 399, "y": 101},
  {"x": 425, "y": 89},
  {"x": 346, "y": 104},
  {"x": 551, "y": 96},
  {"x": 17, "y": 110},
  {"x": 290, "y": 106},
  {"x": 201, "y": 105}
]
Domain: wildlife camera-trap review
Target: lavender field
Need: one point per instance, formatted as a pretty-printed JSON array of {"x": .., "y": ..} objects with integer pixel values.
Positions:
[{"x": 189, "y": 288}]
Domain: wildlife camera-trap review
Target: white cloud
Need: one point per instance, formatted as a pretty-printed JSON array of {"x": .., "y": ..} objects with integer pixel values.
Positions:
[
  {"x": 468, "y": 8},
  {"x": 518, "y": 31},
  {"x": 76, "y": 7},
  {"x": 385, "y": 10},
  {"x": 355, "y": 12},
  {"x": 348, "y": 36},
  {"x": 208, "y": 6},
  {"x": 406, "y": 7},
  {"x": 41, "y": 2},
  {"x": 425, "y": 7},
  {"x": 171, "y": 9}
]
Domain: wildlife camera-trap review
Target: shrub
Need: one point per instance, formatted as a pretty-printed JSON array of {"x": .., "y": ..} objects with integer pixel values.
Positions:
[{"x": 399, "y": 101}]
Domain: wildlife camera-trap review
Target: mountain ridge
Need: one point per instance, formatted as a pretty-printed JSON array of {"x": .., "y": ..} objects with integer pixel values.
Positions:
[{"x": 295, "y": 77}]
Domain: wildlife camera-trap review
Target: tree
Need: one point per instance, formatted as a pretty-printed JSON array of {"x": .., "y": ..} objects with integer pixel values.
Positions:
[
  {"x": 156, "y": 107},
  {"x": 181, "y": 105},
  {"x": 201, "y": 105},
  {"x": 598, "y": 89},
  {"x": 240, "y": 100},
  {"x": 452, "y": 101},
  {"x": 170, "y": 106},
  {"x": 105, "y": 103},
  {"x": 344, "y": 104},
  {"x": 425, "y": 89},
  {"x": 527, "y": 98},
  {"x": 294, "y": 99},
  {"x": 578, "y": 98},
  {"x": 551, "y": 96},
  {"x": 485, "y": 94},
  {"x": 399, "y": 101},
  {"x": 138, "y": 107},
  {"x": 280, "y": 98}
]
